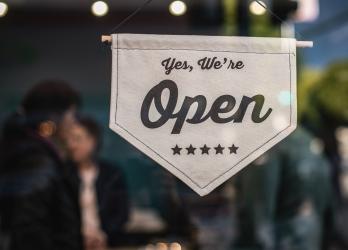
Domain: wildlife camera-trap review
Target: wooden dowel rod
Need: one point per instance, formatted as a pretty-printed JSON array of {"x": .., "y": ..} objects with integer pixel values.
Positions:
[
  {"x": 299, "y": 44},
  {"x": 304, "y": 44},
  {"x": 106, "y": 39}
]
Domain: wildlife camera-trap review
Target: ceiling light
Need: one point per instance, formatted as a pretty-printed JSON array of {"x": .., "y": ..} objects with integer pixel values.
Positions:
[
  {"x": 177, "y": 8},
  {"x": 258, "y": 8},
  {"x": 100, "y": 8},
  {"x": 3, "y": 9}
]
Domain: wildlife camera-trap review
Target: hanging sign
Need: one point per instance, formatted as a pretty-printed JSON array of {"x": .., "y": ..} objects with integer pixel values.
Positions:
[{"x": 203, "y": 107}]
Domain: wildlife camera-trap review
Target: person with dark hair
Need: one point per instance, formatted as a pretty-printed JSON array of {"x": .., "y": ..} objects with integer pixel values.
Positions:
[
  {"x": 100, "y": 186},
  {"x": 282, "y": 201},
  {"x": 37, "y": 210}
]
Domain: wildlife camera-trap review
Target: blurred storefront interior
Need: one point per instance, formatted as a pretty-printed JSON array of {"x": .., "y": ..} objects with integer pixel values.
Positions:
[{"x": 294, "y": 197}]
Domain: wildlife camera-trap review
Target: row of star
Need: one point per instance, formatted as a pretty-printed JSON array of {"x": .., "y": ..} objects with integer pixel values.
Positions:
[{"x": 204, "y": 150}]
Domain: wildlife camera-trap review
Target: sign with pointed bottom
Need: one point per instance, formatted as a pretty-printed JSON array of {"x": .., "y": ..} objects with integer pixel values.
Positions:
[{"x": 203, "y": 107}]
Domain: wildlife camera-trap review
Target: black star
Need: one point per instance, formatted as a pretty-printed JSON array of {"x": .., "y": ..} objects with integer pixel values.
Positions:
[
  {"x": 191, "y": 150},
  {"x": 176, "y": 150},
  {"x": 219, "y": 149},
  {"x": 205, "y": 149},
  {"x": 233, "y": 149}
]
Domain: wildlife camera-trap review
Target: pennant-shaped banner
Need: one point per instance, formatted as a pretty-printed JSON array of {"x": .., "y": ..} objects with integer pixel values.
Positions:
[{"x": 203, "y": 107}]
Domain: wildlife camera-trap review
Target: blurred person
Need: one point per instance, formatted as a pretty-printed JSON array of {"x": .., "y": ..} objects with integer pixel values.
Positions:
[
  {"x": 284, "y": 198},
  {"x": 100, "y": 186},
  {"x": 158, "y": 211},
  {"x": 37, "y": 210},
  {"x": 213, "y": 215},
  {"x": 327, "y": 117}
]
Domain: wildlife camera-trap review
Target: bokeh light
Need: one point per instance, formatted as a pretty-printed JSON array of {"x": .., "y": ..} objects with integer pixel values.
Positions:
[
  {"x": 257, "y": 8},
  {"x": 47, "y": 128},
  {"x": 161, "y": 246},
  {"x": 175, "y": 246},
  {"x": 177, "y": 8},
  {"x": 99, "y": 8},
  {"x": 3, "y": 9},
  {"x": 284, "y": 98},
  {"x": 316, "y": 146}
]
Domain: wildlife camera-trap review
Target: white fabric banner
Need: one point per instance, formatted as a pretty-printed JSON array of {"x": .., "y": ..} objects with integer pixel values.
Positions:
[{"x": 203, "y": 107}]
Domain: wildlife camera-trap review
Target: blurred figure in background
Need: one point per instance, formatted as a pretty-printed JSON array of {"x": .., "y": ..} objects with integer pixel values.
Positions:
[
  {"x": 101, "y": 187},
  {"x": 37, "y": 210},
  {"x": 158, "y": 211},
  {"x": 213, "y": 215},
  {"x": 283, "y": 200},
  {"x": 327, "y": 117}
]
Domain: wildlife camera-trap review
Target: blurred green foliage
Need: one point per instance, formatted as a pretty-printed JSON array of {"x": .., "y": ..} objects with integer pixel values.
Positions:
[
  {"x": 230, "y": 26},
  {"x": 332, "y": 91},
  {"x": 259, "y": 25},
  {"x": 325, "y": 93},
  {"x": 307, "y": 81}
]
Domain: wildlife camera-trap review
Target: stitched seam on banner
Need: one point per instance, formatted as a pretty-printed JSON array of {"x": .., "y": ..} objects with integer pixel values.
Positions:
[
  {"x": 264, "y": 142},
  {"x": 246, "y": 156},
  {"x": 231, "y": 51},
  {"x": 116, "y": 79},
  {"x": 225, "y": 172},
  {"x": 269, "y": 139},
  {"x": 158, "y": 155},
  {"x": 290, "y": 84}
]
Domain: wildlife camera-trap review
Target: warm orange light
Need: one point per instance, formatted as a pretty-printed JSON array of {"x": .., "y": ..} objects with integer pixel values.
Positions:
[
  {"x": 47, "y": 128},
  {"x": 175, "y": 246},
  {"x": 161, "y": 246}
]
